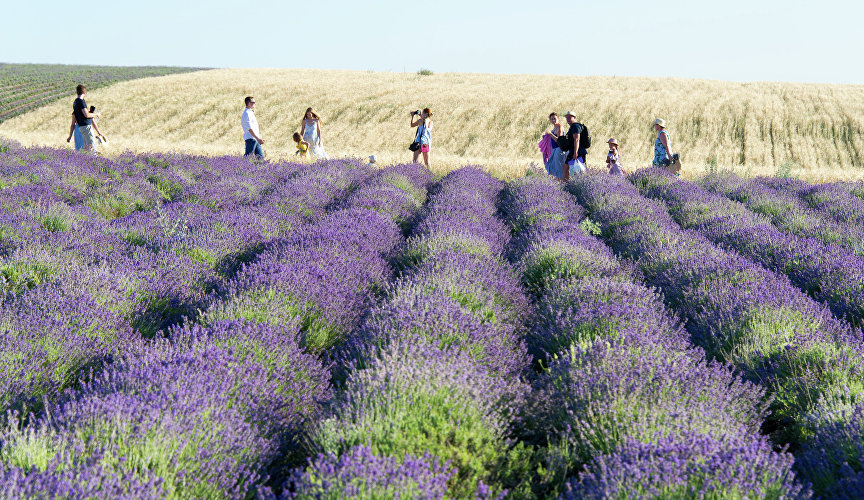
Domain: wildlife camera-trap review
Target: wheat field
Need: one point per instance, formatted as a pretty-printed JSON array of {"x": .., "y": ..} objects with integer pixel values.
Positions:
[{"x": 812, "y": 131}]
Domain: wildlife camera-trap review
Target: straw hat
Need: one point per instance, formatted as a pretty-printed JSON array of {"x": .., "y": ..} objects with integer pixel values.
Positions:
[
  {"x": 612, "y": 141},
  {"x": 661, "y": 122}
]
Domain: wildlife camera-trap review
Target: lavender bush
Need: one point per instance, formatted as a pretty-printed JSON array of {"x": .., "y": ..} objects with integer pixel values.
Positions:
[{"x": 359, "y": 473}]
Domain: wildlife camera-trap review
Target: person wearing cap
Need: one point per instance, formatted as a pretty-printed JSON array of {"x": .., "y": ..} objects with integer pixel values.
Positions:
[
  {"x": 662, "y": 148},
  {"x": 576, "y": 155},
  {"x": 613, "y": 159}
]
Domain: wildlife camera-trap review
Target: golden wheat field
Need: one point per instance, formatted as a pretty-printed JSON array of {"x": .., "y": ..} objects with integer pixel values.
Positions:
[{"x": 812, "y": 131}]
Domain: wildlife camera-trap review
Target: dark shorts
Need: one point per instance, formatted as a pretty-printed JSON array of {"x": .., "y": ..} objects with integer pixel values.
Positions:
[{"x": 252, "y": 147}]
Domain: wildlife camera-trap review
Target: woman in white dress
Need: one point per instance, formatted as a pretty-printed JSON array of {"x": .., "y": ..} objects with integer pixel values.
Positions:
[{"x": 311, "y": 127}]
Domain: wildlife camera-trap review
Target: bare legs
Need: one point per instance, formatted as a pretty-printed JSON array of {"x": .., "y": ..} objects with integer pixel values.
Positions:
[{"x": 425, "y": 157}]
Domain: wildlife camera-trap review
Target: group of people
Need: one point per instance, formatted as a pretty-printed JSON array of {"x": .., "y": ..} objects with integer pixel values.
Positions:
[
  {"x": 83, "y": 128},
  {"x": 309, "y": 142},
  {"x": 564, "y": 153}
]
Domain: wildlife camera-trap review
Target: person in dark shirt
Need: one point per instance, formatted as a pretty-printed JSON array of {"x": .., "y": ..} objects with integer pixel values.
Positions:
[
  {"x": 83, "y": 117},
  {"x": 576, "y": 155}
]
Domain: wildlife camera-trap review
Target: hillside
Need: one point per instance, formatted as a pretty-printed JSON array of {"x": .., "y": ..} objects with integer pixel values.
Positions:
[
  {"x": 808, "y": 130},
  {"x": 24, "y": 87}
]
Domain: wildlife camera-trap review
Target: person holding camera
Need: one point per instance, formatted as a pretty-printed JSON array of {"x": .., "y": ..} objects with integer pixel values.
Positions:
[
  {"x": 422, "y": 142},
  {"x": 613, "y": 159}
]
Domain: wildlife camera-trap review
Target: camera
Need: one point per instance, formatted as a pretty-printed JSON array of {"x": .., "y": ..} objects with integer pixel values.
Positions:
[{"x": 416, "y": 112}]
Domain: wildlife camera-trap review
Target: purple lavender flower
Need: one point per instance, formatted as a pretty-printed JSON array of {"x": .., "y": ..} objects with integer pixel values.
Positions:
[
  {"x": 326, "y": 275},
  {"x": 828, "y": 273},
  {"x": 585, "y": 311},
  {"x": 831, "y": 457},
  {"x": 203, "y": 420},
  {"x": 415, "y": 398},
  {"x": 595, "y": 398},
  {"x": 360, "y": 473},
  {"x": 696, "y": 466}
]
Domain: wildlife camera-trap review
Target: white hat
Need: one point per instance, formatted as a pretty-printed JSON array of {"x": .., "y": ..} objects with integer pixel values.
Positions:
[
  {"x": 570, "y": 113},
  {"x": 661, "y": 122}
]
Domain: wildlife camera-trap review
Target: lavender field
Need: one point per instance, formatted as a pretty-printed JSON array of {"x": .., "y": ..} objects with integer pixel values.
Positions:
[
  {"x": 210, "y": 327},
  {"x": 24, "y": 87}
]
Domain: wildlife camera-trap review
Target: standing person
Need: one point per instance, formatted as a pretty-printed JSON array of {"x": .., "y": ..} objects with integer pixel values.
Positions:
[
  {"x": 75, "y": 132},
  {"x": 83, "y": 117},
  {"x": 311, "y": 127},
  {"x": 613, "y": 159},
  {"x": 424, "y": 133},
  {"x": 553, "y": 157},
  {"x": 578, "y": 151},
  {"x": 251, "y": 134},
  {"x": 662, "y": 146}
]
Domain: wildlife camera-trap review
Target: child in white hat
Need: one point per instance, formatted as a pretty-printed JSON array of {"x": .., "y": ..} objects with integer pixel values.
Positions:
[{"x": 613, "y": 159}]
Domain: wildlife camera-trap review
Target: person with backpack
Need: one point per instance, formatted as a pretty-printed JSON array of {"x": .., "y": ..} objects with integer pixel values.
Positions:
[{"x": 576, "y": 141}]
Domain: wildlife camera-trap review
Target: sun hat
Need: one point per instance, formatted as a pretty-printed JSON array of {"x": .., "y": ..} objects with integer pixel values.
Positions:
[
  {"x": 612, "y": 141},
  {"x": 661, "y": 122},
  {"x": 570, "y": 113}
]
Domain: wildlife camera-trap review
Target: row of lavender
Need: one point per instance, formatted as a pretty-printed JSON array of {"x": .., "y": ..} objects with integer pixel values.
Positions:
[
  {"x": 628, "y": 407},
  {"x": 799, "y": 208},
  {"x": 829, "y": 273},
  {"x": 268, "y": 279},
  {"x": 216, "y": 409},
  {"x": 26, "y": 86},
  {"x": 78, "y": 285},
  {"x": 430, "y": 386},
  {"x": 739, "y": 312}
]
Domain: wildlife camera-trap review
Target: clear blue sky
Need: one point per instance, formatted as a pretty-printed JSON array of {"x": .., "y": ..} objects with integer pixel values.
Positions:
[{"x": 739, "y": 40}]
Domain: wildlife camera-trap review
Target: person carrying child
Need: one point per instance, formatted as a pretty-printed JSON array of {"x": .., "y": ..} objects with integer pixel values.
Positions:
[
  {"x": 302, "y": 146},
  {"x": 613, "y": 159}
]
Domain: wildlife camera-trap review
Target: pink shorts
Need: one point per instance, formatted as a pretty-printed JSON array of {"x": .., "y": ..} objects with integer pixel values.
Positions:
[{"x": 424, "y": 148}]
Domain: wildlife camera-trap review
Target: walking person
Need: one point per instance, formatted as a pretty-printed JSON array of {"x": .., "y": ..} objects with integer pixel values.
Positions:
[
  {"x": 311, "y": 127},
  {"x": 424, "y": 133},
  {"x": 662, "y": 146},
  {"x": 84, "y": 119},
  {"x": 578, "y": 134},
  {"x": 553, "y": 157},
  {"x": 251, "y": 134}
]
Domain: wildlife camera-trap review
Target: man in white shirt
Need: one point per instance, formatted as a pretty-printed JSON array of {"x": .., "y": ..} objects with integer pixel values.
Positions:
[{"x": 250, "y": 129}]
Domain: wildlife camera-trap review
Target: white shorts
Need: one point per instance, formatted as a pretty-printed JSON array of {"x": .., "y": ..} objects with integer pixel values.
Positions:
[{"x": 88, "y": 138}]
